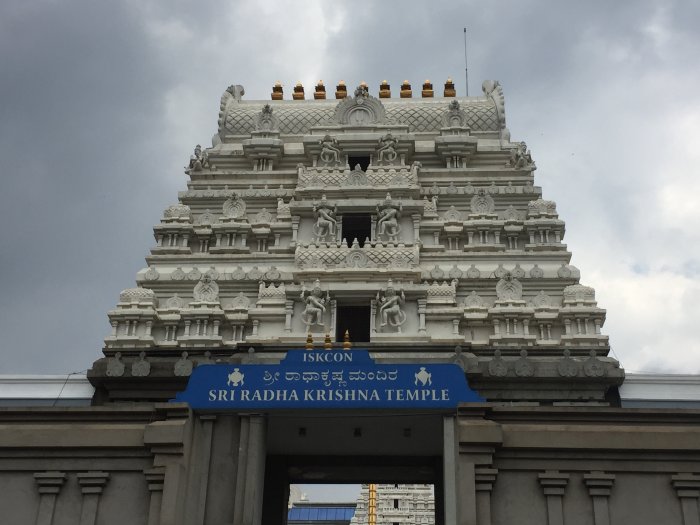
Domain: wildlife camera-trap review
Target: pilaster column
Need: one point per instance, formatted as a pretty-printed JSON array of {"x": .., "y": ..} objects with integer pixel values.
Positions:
[
  {"x": 250, "y": 477},
  {"x": 49, "y": 484},
  {"x": 688, "y": 489},
  {"x": 422, "y": 305},
  {"x": 599, "y": 487},
  {"x": 91, "y": 485},
  {"x": 155, "y": 478},
  {"x": 554, "y": 485},
  {"x": 416, "y": 228},
  {"x": 450, "y": 457},
  {"x": 288, "y": 311},
  {"x": 485, "y": 478}
]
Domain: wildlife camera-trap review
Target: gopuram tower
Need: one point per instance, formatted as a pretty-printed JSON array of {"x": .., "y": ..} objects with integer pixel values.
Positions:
[{"x": 413, "y": 225}]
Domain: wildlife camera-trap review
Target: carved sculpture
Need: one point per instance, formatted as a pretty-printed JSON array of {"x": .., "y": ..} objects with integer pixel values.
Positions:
[
  {"x": 390, "y": 304},
  {"x": 326, "y": 222},
  {"x": 266, "y": 121},
  {"x": 482, "y": 203},
  {"x": 509, "y": 288},
  {"x": 234, "y": 207},
  {"x": 206, "y": 290},
  {"x": 386, "y": 152},
  {"x": 198, "y": 161},
  {"x": 315, "y": 305},
  {"x": 330, "y": 152},
  {"x": 283, "y": 210},
  {"x": 388, "y": 219},
  {"x": 520, "y": 157}
]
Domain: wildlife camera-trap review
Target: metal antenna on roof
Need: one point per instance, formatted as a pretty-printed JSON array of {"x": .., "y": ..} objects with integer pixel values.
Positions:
[{"x": 466, "y": 69}]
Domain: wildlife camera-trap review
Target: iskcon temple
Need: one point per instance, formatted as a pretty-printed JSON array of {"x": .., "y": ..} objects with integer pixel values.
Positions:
[{"x": 355, "y": 287}]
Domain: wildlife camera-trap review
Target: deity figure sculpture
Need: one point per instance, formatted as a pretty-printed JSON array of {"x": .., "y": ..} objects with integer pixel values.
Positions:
[
  {"x": 330, "y": 152},
  {"x": 265, "y": 119},
  {"x": 315, "y": 305},
  {"x": 198, "y": 160},
  {"x": 520, "y": 157},
  {"x": 388, "y": 221},
  {"x": 283, "y": 210},
  {"x": 390, "y": 304},
  {"x": 386, "y": 152},
  {"x": 206, "y": 290},
  {"x": 325, "y": 220}
]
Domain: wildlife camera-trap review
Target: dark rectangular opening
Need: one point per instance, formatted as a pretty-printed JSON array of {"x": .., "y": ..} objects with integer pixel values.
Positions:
[
  {"x": 357, "y": 227},
  {"x": 362, "y": 160},
  {"x": 354, "y": 319}
]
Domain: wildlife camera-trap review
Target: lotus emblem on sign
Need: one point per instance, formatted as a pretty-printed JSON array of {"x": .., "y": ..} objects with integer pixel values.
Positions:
[
  {"x": 235, "y": 378},
  {"x": 424, "y": 377}
]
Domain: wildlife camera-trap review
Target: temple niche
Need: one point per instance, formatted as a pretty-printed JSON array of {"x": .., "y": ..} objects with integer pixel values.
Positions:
[{"x": 400, "y": 221}]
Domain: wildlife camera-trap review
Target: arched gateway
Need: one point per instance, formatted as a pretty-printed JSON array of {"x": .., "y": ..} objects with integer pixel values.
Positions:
[{"x": 360, "y": 290}]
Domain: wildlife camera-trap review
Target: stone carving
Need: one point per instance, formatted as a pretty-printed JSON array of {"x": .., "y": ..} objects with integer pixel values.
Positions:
[
  {"x": 568, "y": 271},
  {"x": 500, "y": 272},
  {"x": 511, "y": 214},
  {"x": 542, "y": 300},
  {"x": 524, "y": 367},
  {"x": 528, "y": 187},
  {"x": 509, "y": 289},
  {"x": 151, "y": 274},
  {"x": 360, "y": 110},
  {"x": 194, "y": 274},
  {"x": 141, "y": 367},
  {"x": 375, "y": 254},
  {"x": 330, "y": 152},
  {"x": 578, "y": 293},
  {"x": 434, "y": 189},
  {"x": 206, "y": 290},
  {"x": 238, "y": 274},
  {"x": 442, "y": 293},
  {"x": 518, "y": 272},
  {"x": 271, "y": 294},
  {"x": 567, "y": 367},
  {"x": 175, "y": 303},
  {"x": 115, "y": 366},
  {"x": 240, "y": 302},
  {"x": 482, "y": 203},
  {"x": 177, "y": 211},
  {"x": 234, "y": 207},
  {"x": 283, "y": 210},
  {"x": 137, "y": 295},
  {"x": 492, "y": 89},
  {"x": 593, "y": 367},
  {"x": 520, "y": 157},
  {"x": 272, "y": 274},
  {"x": 198, "y": 160},
  {"x": 492, "y": 189},
  {"x": 473, "y": 272},
  {"x": 430, "y": 206},
  {"x": 183, "y": 366},
  {"x": 452, "y": 215},
  {"x": 455, "y": 273},
  {"x": 541, "y": 208},
  {"x": 255, "y": 274},
  {"x": 386, "y": 151},
  {"x": 356, "y": 177},
  {"x": 325, "y": 226},
  {"x": 265, "y": 120},
  {"x": 469, "y": 189},
  {"x": 263, "y": 217},
  {"x": 178, "y": 274},
  {"x": 389, "y": 215},
  {"x": 454, "y": 117},
  {"x": 400, "y": 261},
  {"x": 474, "y": 300},
  {"x": 509, "y": 188},
  {"x": 206, "y": 219},
  {"x": 213, "y": 273},
  {"x": 452, "y": 189},
  {"x": 497, "y": 366},
  {"x": 315, "y": 305},
  {"x": 390, "y": 304},
  {"x": 437, "y": 272},
  {"x": 356, "y": 257},
  {"x": 536, "y": 272}
]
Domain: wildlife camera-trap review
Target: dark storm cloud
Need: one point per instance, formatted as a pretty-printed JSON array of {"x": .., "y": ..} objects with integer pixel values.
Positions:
[{"x": 101, "y": 103}]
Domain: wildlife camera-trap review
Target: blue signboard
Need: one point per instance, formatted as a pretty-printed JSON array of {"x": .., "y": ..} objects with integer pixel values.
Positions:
[{"x": 327, "y": 379}]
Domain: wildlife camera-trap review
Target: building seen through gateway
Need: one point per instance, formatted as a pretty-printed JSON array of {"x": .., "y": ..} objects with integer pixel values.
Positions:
[{"x": 355, "y": 287}]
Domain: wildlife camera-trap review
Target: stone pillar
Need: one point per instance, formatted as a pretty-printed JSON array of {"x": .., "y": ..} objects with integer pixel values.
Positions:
[
  {"x": 450, "y": 455},
  {"x": 485, "y": 478},
  {"x": 49, "y": 484},
  {"x": 422, "y": 305},
  {"x": 155, "y": 478},
  {"x": 91, "y": 485},
  {"x": 599, "y": 487},
  {"x": 554, "y": 485},
  {"x": 288, "y": 312},
  {"x": 295, "y": 230},
  {"x": 688, "y": 489},
  {"x": 204, "y": 460},
  {"x": 250, "y": 477},
  {"x": 416, "y": 228}
]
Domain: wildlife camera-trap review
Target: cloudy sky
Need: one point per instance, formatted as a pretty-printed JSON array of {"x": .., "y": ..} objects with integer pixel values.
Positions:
[{"x": 101, "y": 104}]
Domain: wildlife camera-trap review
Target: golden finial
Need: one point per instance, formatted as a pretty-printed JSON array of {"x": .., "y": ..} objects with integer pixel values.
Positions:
[
  {"x": 309, "y": 342},
  {"x": 427, "y": 91},
  {"x": 406, "y": 89},
  {"x": 298, "y": 93},
  {"x": 346, "y": 340},
  {"x": 449, "y": 88},
  {"x": 384, "y": 90},
  {"x": 327, "y": 343},
  {"x": 320, "y": 91},
  {"x": 277, "y": 93},
  {"x": 341, "y": 90}
]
